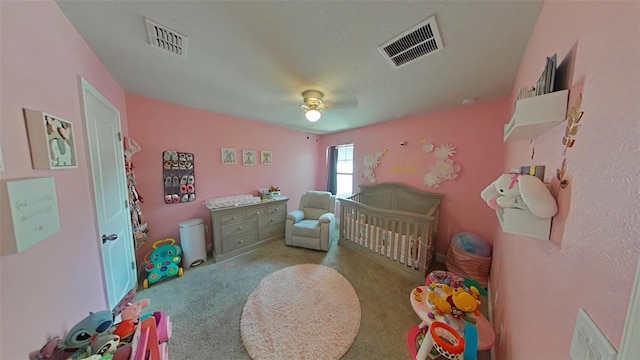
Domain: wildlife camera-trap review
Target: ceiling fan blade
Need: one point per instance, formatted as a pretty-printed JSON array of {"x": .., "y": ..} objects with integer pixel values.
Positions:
[{"x": 342, "y": 102}]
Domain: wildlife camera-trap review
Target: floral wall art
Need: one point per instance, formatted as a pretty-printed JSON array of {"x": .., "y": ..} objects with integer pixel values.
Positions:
[
  {"x": 371, "y": 162},
  {"x": 444, "y": 168}
]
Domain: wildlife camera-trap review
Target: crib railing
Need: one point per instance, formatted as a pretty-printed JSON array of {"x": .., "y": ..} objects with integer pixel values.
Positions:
[{"x": 401, "y": 241}]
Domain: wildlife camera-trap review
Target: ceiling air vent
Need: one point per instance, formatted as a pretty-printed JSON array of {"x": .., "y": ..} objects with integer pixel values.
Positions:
[
  {"x": 166, "y": 39},
  {"x": 416, "y": 42}
]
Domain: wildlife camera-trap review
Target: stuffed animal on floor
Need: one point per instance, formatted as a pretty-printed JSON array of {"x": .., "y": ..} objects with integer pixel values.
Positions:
[
  {"x": 133, "y": 311},
  {"x": 520, "y": 191}
]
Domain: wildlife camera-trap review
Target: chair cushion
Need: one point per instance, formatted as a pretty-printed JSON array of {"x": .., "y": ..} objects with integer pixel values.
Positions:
[
  {"x": 314, "y": 213},
  {"x": 308, "y": 228}
]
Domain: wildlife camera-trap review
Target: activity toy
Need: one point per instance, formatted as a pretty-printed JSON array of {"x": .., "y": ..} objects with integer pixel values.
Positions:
[
  {"x": 441, "y": 339},
  {"x": 162, "y": 262}
]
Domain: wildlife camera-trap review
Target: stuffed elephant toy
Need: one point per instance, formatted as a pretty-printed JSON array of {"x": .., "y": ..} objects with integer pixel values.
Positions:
[{"x": 520, "y": 191}]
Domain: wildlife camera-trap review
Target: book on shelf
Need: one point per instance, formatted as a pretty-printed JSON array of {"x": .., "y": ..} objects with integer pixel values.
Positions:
[
  {"x": 552, "y": 72},
  {"x": 546, "y": 80},
  {"x": 526, "y": 92},
  {"x": 533, "y": 170}
]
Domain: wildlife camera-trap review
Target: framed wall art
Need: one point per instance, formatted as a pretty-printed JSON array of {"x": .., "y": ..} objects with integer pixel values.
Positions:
[
  {"x": 249, "y": 157},
  {"x": 33, "y": 204},
  {"x": 265, "y": 157},
  {"x": 51, "y": 141},
  {"x": 228, "y": 155}
]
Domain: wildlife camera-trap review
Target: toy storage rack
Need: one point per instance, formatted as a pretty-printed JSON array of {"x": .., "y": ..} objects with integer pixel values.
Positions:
[{"x": 178, "y": 169}]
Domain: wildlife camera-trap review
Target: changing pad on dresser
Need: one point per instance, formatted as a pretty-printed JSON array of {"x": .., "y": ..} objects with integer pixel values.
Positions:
[{"x": 235, "y": 200}]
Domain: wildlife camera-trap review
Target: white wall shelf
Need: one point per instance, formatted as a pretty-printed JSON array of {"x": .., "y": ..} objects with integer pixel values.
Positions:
[
  {"x": 523, "y": 222},
  {"x": 535, "y": 115}
]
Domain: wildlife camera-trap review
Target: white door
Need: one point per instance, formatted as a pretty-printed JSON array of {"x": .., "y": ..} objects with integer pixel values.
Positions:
[{"x": 104, "y": 138}]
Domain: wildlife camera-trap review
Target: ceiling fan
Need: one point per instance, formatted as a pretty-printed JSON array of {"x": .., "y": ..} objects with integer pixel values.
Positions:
[{"x": 313, "y": 104}]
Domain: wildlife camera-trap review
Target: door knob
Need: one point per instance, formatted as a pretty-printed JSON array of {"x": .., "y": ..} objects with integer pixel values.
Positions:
[{"x": 111, "y": 237}]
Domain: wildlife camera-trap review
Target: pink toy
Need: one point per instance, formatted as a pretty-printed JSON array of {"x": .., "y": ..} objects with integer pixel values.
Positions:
[
  {"x": 133, "y": 310},
  {"x": 163, "y": 325},
  {"x": 444, "y": 277}
]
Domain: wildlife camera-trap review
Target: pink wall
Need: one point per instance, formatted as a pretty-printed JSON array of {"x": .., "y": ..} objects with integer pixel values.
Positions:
[
  {"x": 475, "y": 131},
  {"x": 49, "y": 287},
  {"x": 158, "y": 126},
  {"x": 590, "y": 262}
]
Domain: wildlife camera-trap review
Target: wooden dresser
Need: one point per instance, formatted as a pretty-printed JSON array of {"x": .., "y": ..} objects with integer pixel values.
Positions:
[{"x": 239, "y": 229}]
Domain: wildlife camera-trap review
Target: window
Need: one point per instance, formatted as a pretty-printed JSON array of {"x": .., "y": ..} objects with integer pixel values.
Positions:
[{"x": 344, "y": 170}]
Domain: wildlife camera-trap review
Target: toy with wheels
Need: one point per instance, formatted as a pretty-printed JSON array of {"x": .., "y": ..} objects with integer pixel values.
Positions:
[
  {"x": 163, "y": 261},
  {"x": 441, "y": 340}
]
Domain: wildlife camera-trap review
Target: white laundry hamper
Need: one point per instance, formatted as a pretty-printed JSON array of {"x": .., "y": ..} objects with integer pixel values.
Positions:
[{"x": 194, "y": 249}]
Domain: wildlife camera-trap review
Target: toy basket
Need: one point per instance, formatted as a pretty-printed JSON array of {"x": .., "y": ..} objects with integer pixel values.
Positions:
[{"x": 468, "y": 265}]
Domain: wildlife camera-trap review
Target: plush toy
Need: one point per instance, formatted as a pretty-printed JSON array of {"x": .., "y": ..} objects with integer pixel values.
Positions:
[
  {"x": 95, "y": 324},
  {"x": 77, "y": 342},
  {"x": 133, "y": 310},
  {"x": 125, "y": 330},
  {"x": 520, "y": 191},
  {"x": 103, "y": 345}
]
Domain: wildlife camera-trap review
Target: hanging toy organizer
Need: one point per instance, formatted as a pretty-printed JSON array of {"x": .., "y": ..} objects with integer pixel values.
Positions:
[
  {"x": 179, "y": 177},
  {"x": 139, "y": 227}
]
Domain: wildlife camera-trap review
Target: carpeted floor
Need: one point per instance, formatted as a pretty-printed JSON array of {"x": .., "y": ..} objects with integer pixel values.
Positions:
[{"x": 206, "y": 304}]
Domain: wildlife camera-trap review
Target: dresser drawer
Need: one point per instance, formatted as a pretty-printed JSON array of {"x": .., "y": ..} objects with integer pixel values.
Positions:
[
  {"x": 269, "y": 220},
  {"x": 277, "y": 209},
  {"x": 231, "y": 218},
  {"x": 271, "y": 231},
  {"x": 238, "y": 229},
  {"x": 252, "y": 214},
  {"x": 237, "y": 242}
]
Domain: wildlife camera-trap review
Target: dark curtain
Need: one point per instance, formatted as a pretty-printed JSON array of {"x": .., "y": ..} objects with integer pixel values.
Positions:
[{"x": 332, "y": 178}]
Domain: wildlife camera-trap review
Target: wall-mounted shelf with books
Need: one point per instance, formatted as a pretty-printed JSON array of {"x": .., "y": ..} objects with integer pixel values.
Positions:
[
  {"x": 523, "y": 222},
  {"x": 535, "y": 115}
]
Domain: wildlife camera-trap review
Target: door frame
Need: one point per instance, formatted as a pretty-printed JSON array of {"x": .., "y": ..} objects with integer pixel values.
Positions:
[{"x": 88, "y": 87}]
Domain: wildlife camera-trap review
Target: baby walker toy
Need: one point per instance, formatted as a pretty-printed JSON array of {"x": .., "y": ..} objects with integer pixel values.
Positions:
[
  {"x": 451, "y": 309},
  {"x": 162, "y": 262}
]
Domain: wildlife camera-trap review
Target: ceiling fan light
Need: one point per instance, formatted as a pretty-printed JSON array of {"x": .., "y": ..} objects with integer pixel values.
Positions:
[{"x": 312, "y": 115}]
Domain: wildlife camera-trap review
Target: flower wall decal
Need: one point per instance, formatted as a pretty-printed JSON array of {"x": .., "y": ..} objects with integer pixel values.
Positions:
[
  {"x": 427, "y": 147},
  {"x": 444, "y": 168},
  {"x": 444, "y": 151},
  {"x": 371, "y": 162}
]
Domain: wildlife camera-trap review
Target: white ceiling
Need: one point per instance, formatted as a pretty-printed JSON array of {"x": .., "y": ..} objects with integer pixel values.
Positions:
[{"x": 253, "y": 59}]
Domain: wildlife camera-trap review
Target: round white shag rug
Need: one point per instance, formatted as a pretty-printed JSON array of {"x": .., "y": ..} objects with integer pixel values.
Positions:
[{"x": 306, "y": 311}]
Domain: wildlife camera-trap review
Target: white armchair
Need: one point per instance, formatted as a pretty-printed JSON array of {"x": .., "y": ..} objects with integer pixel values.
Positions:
[{"x": 313, "y": 225}]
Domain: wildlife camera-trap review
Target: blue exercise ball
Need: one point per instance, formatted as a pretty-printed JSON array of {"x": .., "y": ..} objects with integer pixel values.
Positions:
[{"x": 471, "y": 243}]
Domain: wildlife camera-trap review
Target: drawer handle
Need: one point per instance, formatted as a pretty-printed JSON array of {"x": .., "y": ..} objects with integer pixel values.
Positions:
[
  {"x": 234, "y": 218},
  {"x": 241, "y": 241},
  {"x": 271, "y": 220},
  {"x": 257, "y": 212},
  {"x": 241, "y": 227}
]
